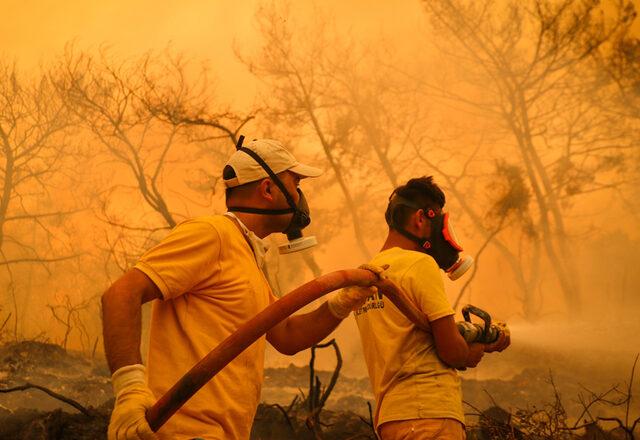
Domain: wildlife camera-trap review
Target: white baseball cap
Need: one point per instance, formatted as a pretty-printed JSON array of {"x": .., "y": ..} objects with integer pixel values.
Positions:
[{"x": 274, "y": 154}]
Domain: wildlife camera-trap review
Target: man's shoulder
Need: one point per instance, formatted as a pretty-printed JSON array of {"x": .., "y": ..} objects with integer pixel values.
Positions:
[
  {"x": 406, "y": 266},
  {"x": 404, "y": 259},
  {"x": 212, "y": 223}
]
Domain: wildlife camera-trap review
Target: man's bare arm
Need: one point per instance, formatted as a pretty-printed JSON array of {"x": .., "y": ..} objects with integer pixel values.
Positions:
[
  {"x": 452, "y": 349},
  {"x": 300, "y": 332},
  {"x": 122, "y": 317}
]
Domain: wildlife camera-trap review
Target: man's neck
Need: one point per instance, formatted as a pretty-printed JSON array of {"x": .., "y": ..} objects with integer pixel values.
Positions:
[
  {"x": 395, "y": 239},
  {"x": 254, "y": 222}
]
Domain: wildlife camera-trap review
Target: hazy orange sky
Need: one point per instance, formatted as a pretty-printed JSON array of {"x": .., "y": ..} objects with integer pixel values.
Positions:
[{"x": 35, "y": 30}]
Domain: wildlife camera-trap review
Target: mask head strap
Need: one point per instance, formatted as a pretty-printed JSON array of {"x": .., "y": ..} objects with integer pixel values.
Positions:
[
  {"x": 395, "y": 200},
  {"x": 267, "y": 168},
  {"x": 273, "y": 177}
]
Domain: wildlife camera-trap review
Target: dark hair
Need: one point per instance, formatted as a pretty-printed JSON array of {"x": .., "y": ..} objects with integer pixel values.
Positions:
[{"x": 421, "y": 191}]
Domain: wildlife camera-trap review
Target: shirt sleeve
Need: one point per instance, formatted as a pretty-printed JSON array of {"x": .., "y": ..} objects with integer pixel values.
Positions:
[
  {"x": 423, "y": 282},
  {"x": 187, "y": 256}
]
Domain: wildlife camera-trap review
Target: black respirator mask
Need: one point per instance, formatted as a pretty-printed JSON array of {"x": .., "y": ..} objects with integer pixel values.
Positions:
[
  {"x": 442, "y": 243},
  {"x": 301, "y": 217}
]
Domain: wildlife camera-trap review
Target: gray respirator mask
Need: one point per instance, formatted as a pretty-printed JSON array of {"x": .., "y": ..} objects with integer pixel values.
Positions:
[
  {"x": 301, "y": 216},
  {"x": 442, "y": 243}
]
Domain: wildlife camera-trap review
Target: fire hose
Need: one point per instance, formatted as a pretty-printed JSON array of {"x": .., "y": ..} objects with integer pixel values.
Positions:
[{"x": 252, "y": 330}]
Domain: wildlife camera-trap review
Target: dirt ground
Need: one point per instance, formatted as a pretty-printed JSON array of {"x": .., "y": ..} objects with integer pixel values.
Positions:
[{"x": 532, "y": 403}]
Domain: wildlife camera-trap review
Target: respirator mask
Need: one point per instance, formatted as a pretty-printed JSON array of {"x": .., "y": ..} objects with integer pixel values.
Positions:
[
  {"x": 442, "y": 243},
  {"x": 301, "y": 216}
]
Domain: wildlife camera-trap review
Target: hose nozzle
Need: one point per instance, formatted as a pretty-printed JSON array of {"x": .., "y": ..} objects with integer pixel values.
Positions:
[{"x": 486, "y": 333}]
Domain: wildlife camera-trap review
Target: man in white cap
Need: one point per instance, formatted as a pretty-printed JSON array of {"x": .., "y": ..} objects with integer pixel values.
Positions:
[{"x": 207, "y": 277}]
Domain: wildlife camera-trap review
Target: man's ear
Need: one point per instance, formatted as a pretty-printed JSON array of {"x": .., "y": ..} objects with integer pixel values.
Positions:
[
  {"x": 265, "y": 188},
  {"x": 419, "y": 217}
]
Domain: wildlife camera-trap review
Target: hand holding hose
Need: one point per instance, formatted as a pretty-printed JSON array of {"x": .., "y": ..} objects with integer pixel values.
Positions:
[
  {"x": 342, "y": 302},
  {"x": 133, "y": 399},
  {"x": 503, "y": 341}
]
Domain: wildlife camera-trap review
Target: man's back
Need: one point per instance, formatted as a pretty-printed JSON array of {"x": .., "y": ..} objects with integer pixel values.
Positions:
[
  {"x": 409, "y": 381},
  {"x": 210, "y": 283}
]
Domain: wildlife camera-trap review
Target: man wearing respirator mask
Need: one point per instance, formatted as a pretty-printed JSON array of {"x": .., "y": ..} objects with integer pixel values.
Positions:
[
  {"x": 413, "y": 372},
  {"x": 208, "y": 274}
]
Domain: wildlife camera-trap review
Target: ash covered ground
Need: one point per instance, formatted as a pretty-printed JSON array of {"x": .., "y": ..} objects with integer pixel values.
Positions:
[{"x": 532, "y": 386}]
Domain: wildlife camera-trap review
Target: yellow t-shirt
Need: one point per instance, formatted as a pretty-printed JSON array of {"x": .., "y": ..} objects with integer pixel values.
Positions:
[
  {"x": 409, "y": 381},
  {"x": 210, "y": 285}
]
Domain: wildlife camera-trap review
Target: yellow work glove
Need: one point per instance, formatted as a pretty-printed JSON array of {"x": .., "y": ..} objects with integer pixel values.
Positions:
[
  {"x": 133, "y": 398},
  {"x": 342, "y": 302}
]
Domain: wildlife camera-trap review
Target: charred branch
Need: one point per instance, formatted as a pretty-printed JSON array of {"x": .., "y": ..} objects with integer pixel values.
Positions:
[{"x": 60, "y": 397}]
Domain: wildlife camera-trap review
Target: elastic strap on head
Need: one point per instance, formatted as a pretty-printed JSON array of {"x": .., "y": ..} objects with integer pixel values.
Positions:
[
  {"x": 260, "y": 211},
  {"x": 422, "y": 242},
  {"x": 240, "y": 141},
  {"x": 269, "y": 171},
  {"x": 396, "y": 200}
]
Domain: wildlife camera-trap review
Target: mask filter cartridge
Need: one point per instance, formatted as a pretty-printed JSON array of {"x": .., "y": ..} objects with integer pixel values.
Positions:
[
  {"x": 297, "y": 242},
  {"x": 460, "y": 267}
]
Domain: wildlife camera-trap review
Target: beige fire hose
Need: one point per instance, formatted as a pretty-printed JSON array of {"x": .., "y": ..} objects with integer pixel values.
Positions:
[{"x": 252, "y": 330}]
